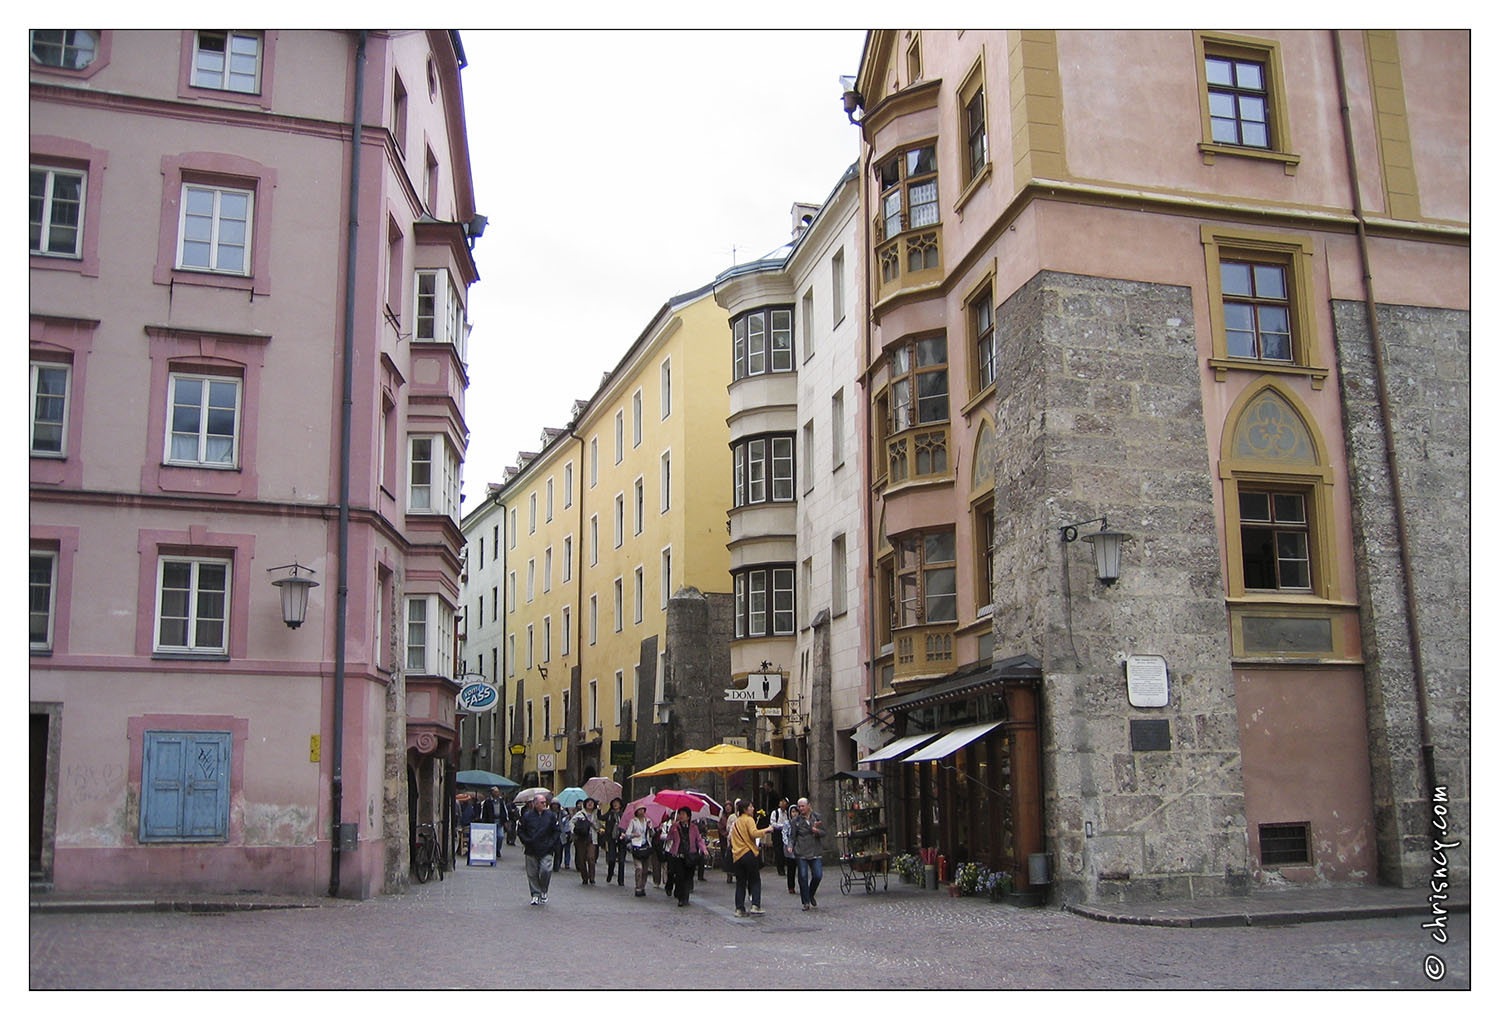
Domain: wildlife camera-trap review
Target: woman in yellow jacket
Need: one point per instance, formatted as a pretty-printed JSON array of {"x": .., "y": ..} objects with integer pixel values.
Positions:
[{"x": 742, "y": 837}]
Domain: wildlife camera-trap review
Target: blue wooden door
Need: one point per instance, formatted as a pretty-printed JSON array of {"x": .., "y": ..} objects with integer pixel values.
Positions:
[{"x": 185, "y": 787}]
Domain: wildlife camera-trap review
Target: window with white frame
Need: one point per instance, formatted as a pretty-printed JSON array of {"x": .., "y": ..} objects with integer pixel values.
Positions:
[
  {"x": 72, "y": 49},
  {"x": 530, "y": 645},
  {"x": 429, "y": 635},
  {"x": 759, "y": 461},
  {"x": 837, "y": 268},
  {"x": 49, "y": 408},
  {"x": 214, "y": 228},
  {"x": 640, "y": 504},
  {"x": 764, "y": 601},
  {"x": 619, "y": 695},
  {"x": 666, "y": 388},
  {"x": 203, "y": 420},
  {"x": 56, "y": 202},
  {"x": 514, "y": 528},
  {"x": 494, "y": 603},
  {"x": 619, "y": 519},
  {"x": 636, "y": 414},
  {"x": 762, "y": 342},
  {"x": 619, "y": 604},
  {"x": 808, "y": 450},
  {"x": 549, "y": 499},
  {"x": 510, "y": 657},
  {"x": 433, "y": 479},
  {"x": 593, "y": 704},
  {"x": 839, "y": 577},
  {"x": 567, "y": 630},
  {"x": 378, "y": 652},
  {"x": 546, "y": 716},
  {"x": 530, "y": 723},
  {"x": 666, "y": 481},
  {"x": 593, "y": 462},
  {"x": 546, "y": 639},
  {"x": 567, "y": 485},
  {"x": 666, "y": 575},
  {"x": 807, "y": 324},
  {"x": 547, "y": 569},
  {"x": 440, "y": 311},
  {"x": 531, "y": 520},
  {"x": 594, "y": 540},
  {"x": 228, "y": 61},
  {"x": 593, "y": 619},
  {"x": 192, "y": 604},
  {"x": 42, "y": 598},
  {"x": 836, "y": 428},
  {"x": 640, "y": 593},
  {"x": 567, "y": 558},
  {"x": 510, "y": 591},
  {"x": 619, "y": 436},
  {"x": 530, "y": 579}
]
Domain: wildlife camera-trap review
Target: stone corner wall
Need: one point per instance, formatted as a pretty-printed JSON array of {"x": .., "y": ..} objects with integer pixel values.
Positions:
[
  {"x": 1101, "y": 414},
  {"x": 1427, "y": 354}
]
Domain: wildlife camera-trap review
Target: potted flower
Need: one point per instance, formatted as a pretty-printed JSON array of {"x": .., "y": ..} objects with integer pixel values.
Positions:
[
  {"x": 909, "y": 867},
  {"x": 966, "y": 879},
  {"x": 994, "y": 884}
]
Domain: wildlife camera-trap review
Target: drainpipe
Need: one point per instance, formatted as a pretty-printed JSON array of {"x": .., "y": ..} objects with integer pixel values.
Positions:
[
  {"x": 336, "y": 784},
  {"x": 1419, "y": 676}
]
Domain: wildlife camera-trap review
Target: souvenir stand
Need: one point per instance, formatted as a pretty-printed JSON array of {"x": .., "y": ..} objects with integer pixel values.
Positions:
[{"x": 859, "y": 820}]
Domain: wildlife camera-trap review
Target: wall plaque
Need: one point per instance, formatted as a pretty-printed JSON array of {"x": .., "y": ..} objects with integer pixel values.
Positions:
[
  {"x": 1146, "y": 681},
  {"x": 1150, "y": 735}
]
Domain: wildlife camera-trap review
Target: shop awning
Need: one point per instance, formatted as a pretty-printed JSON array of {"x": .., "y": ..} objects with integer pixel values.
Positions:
[
  {"x": 950, "y": 742},
  {"x": 897, "y": 747}
]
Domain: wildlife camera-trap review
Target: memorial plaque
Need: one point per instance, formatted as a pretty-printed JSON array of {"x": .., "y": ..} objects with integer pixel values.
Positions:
[
  {"x": 1146, "y": 681},
  {"x": 1150, "y": 735}
]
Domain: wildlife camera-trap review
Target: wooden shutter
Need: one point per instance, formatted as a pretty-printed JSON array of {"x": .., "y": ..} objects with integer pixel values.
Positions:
[{"x": 185, "y": 787}]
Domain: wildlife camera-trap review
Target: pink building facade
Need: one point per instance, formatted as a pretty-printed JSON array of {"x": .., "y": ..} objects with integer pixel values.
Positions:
[
  {"x": 1161, "y": 277},
  {"x": 192, "y": 301}
]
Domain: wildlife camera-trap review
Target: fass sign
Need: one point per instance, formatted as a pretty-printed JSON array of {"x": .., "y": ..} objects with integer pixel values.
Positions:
[{"x": 478, "y": 697}]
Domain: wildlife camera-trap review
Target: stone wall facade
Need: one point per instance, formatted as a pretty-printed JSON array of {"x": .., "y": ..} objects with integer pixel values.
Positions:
[
  {"x": 1427, "y": 368},
  {"x": 1099, "y": 412},
  {"x": 699, "y": 628}
]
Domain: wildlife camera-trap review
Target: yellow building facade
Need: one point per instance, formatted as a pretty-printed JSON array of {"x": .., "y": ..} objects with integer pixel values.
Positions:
[{"x": 618, "y": 511}]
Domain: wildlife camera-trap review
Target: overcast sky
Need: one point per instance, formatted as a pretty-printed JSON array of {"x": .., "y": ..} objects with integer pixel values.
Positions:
[{"x": 618, "y": 168}]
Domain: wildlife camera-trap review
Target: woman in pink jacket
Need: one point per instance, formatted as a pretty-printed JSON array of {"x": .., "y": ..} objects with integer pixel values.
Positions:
[{"x": 685, "y": 848}]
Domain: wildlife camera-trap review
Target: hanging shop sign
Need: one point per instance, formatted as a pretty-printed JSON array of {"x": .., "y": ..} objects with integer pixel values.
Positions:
[
  {"x": 545, "y": 762},
  {"x": 478, "y": 697},
  {"x": 1146, "y": 681},
  {"x": 622, "y": 752},
  {"x": 759, "y": 687}
]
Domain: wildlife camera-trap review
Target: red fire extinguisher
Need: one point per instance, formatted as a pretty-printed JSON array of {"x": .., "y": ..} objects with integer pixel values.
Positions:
[{"x": 942, "y": 868}]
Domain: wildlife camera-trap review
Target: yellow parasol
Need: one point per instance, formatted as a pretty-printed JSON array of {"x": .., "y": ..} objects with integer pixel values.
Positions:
[{"x": 720, "y": 759}]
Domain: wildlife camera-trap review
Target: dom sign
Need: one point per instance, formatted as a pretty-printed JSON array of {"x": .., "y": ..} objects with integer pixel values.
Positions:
[{"x": 478, "y": 697}]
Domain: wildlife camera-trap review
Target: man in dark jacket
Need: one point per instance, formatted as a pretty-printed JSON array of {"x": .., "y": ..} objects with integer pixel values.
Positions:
[{"x": 540, "y": 832}]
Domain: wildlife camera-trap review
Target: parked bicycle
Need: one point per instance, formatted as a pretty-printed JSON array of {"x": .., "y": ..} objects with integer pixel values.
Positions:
[{"x": 427, "y": 855}]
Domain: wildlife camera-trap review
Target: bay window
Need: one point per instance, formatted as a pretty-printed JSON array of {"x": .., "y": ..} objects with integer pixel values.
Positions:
[
  {"x": 762, "y": 342},
  {"x": 764, "y": 470},
  {"x": 433, "y": 478},
  {"x": 764, "y": 602},
  {"x": 440, "y": 312}
]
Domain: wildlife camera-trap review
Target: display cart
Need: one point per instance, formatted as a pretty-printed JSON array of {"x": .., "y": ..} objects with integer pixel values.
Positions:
[{"x": 859, "y": 821}]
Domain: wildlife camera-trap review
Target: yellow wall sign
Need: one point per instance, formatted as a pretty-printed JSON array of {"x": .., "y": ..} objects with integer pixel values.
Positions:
[{"x": 315, "y": 747}]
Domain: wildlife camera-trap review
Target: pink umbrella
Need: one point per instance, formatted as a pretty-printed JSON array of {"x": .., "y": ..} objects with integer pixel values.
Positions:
[{"x": 662, "y": 803}]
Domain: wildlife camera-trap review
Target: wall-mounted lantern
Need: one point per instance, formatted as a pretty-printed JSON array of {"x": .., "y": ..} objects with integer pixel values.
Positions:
[
  {"x": 1106, "y": 543},
  {"x": 294, "y": 588}
]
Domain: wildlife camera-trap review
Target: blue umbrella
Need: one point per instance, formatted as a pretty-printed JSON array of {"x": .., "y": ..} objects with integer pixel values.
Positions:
[
  {"x": 479, "y": 777},
  {"x": 571, "y": 797}
]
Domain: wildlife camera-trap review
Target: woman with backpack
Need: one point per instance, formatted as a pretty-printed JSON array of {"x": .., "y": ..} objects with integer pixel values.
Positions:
[{"x": 586, "y": 831}]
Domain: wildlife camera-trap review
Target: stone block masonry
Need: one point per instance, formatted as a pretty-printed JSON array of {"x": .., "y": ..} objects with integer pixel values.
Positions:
[
  {"x": 1426, "y": 354},
  {"x": 1099, "y": 412}
]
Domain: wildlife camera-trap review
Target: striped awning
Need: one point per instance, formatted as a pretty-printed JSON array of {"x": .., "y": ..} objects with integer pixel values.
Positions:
[
  {"x": 950, "y": 742},
  {"x": 897, "y": 747}
]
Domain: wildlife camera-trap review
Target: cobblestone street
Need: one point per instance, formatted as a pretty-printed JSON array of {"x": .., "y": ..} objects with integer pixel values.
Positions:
[{"x": 476, "y": 930}]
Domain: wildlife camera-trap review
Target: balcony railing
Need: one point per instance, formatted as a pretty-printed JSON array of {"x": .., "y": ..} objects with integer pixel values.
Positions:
[
  {"x": 910, "y": 259},
  {"x": 917, "y": 454},
  {"x": 924, "y": 651}
]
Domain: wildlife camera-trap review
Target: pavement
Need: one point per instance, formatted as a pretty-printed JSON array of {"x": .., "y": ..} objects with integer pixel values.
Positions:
[{"x": 1262, "y": 907}]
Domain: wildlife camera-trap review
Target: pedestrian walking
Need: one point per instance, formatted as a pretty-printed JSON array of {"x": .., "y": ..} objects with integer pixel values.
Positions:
[
  {"x": 614, "y": 841},
  {"x": 746, "y": 857},
  {"x": 564, "y": 856},
  {"x": 492, "y": 811},
  {"x": 638, "y": 843},
  {"x": 807, "y": 847},
  {"x": 539, "y": 833},
  {"x": 587, "y": 829},
  {"x": 780, "y": 818},
  {"x": 685, "y": 847},
  {"x": 726, "y": 822},
  {"x": 789, "y": 815}
]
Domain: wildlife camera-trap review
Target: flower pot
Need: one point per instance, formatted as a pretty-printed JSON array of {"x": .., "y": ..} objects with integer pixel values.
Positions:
[{"x": 955, "y": 891}]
